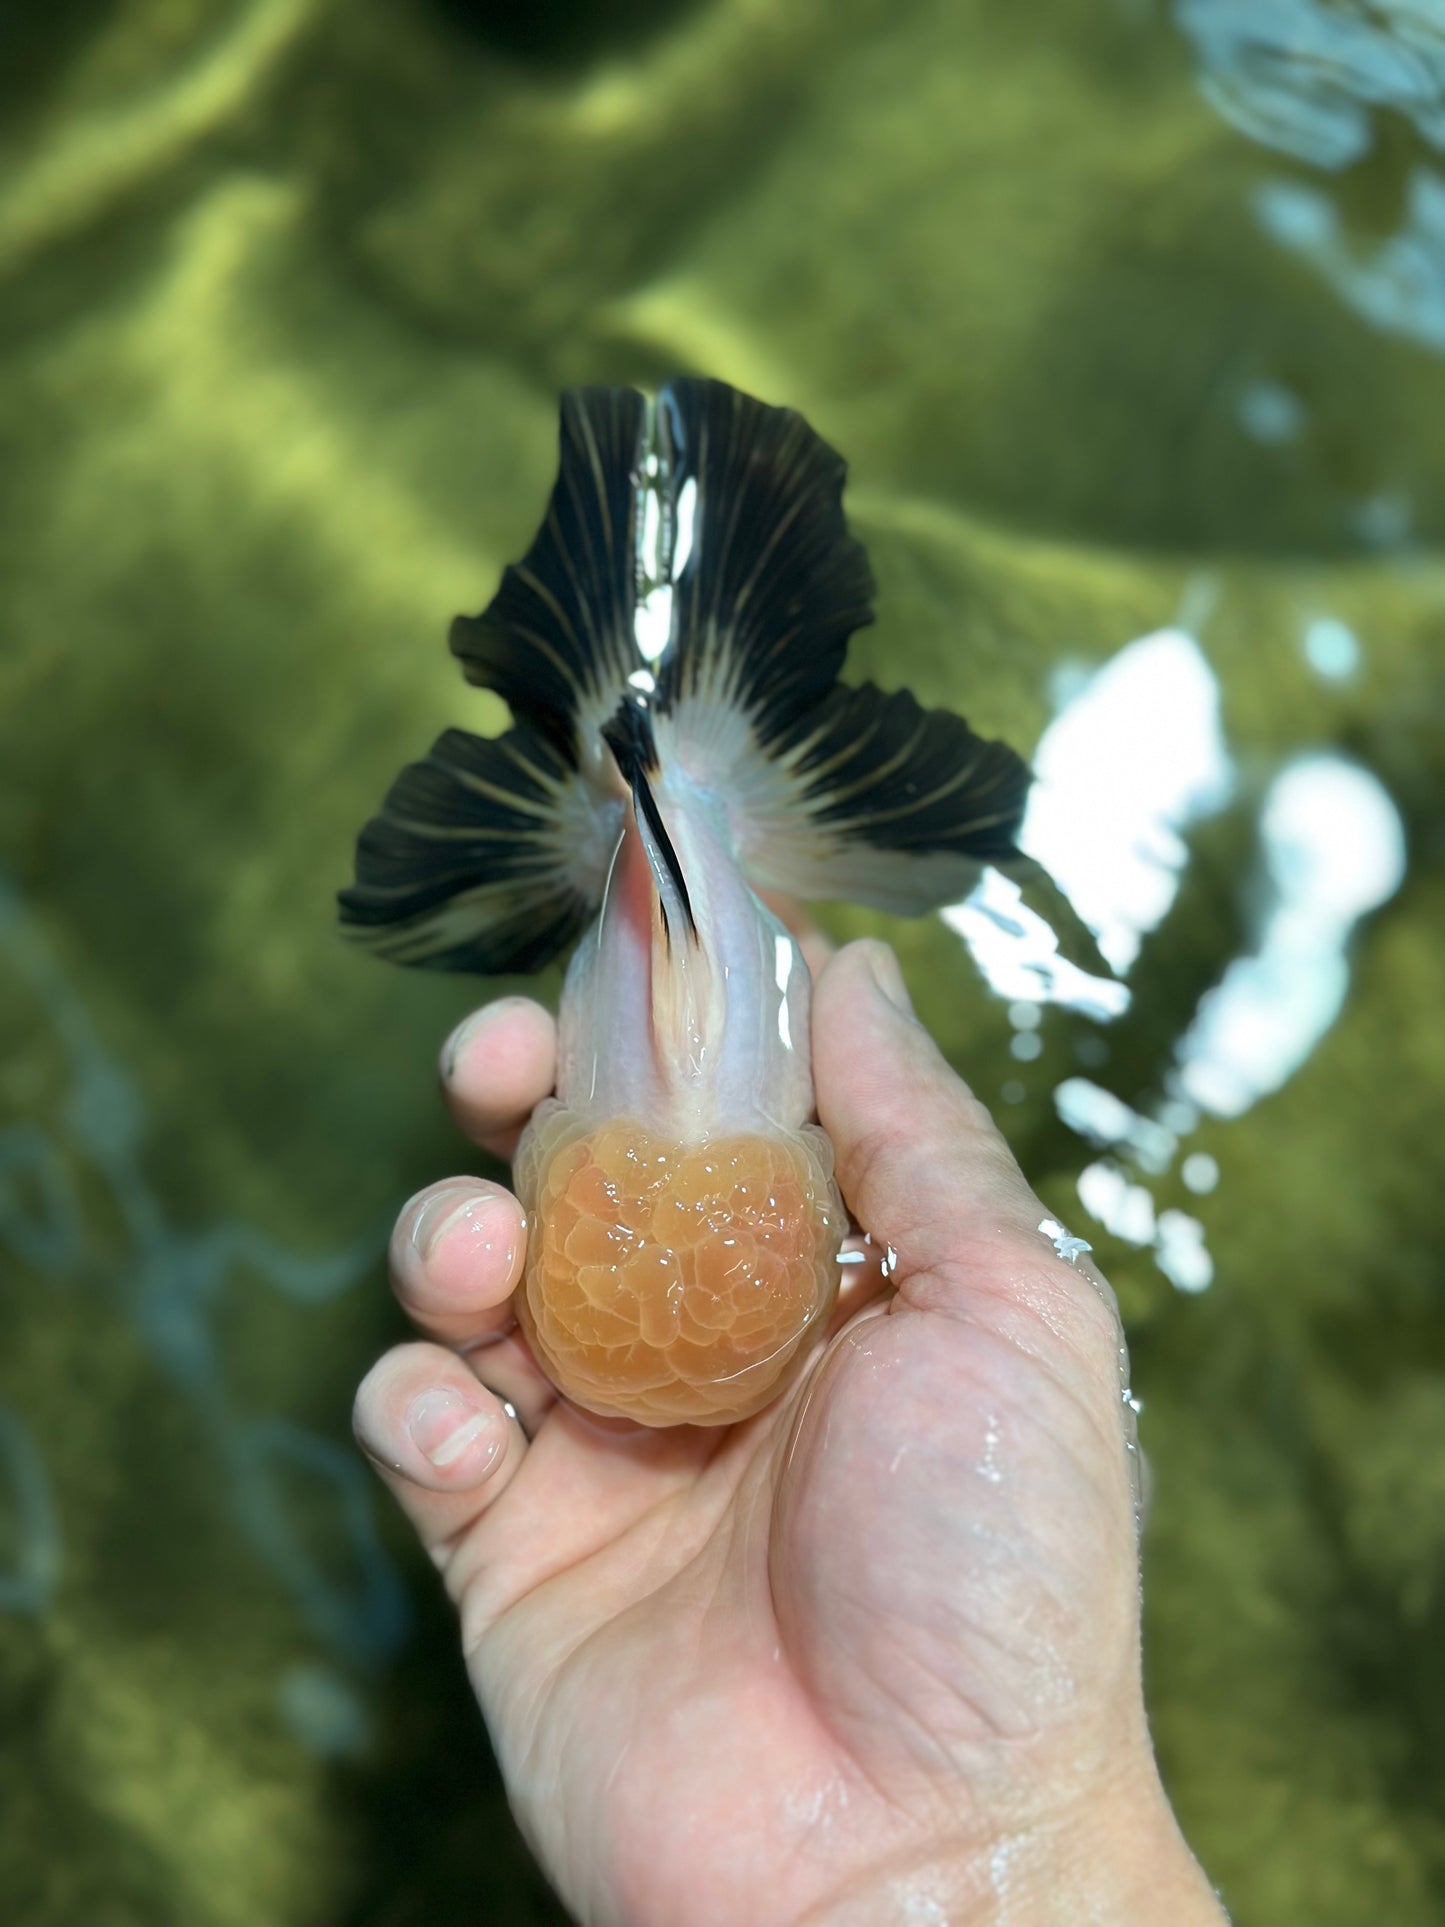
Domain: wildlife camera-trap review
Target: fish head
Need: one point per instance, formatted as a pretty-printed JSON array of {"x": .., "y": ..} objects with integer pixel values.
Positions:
[{"x": 687, "y": 1003}]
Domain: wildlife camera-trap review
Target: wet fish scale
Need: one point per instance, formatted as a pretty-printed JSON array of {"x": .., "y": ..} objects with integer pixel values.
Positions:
[{"x": 687, "y": 1277}]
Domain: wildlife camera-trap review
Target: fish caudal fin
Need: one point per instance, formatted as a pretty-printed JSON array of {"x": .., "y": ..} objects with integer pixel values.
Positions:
[
  {"x": 492, "y": 855},
  {"x": 770, "y": 585},
  {"x": 713, "y": 526},
  {"x": 557, "y": 642},
  {"x": 833, "y": 791},
  {"x": 879, "y": 802},
  {"x": 489, "y": 856}
]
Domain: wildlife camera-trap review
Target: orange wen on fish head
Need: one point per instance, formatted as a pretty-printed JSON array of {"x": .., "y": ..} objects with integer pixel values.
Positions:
[{"x": 672, "y": 1282}]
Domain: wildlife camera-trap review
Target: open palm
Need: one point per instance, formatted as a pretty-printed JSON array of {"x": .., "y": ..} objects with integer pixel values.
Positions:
[{"x": 872, "y": 1655}]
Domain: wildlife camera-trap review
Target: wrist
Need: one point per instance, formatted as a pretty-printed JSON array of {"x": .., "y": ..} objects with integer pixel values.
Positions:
[
  {"x": 1118, "y": 1857},
  {"x": 1121, "y": 1858}
]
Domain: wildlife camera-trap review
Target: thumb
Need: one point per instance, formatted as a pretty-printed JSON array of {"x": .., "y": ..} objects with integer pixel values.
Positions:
[
  {"x": 926, "y": 1171},
  {"x": 920, "y": 1161}
]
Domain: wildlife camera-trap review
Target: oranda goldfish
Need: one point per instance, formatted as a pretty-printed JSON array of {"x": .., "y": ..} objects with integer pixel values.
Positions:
[{"x": 670, "y": 647}]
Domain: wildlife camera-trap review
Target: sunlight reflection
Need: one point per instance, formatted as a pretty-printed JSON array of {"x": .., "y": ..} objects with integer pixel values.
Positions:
[
  {"x": 1018, "y": 952},
  {"x": 1310, "y": 79},
  {"x": 1272, "y": 414},
  {"x": 1332, "y": 649},
  {"x": 1334, "y": 850},
  {"x": 1399, "y": 285},
  {"x": 1135, "y": 754},
  {"x": 30, "y": 1566},
  {"x": 1318, "y": 82},
  {"x": 1134, "y": 757}
]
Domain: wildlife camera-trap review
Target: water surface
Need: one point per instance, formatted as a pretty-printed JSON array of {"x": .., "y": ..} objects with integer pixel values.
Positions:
[{"x": 1131, "y": 319}]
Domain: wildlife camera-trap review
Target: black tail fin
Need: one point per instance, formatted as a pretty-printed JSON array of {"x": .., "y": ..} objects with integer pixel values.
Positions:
[
  {"x": 557, "y": 640},
  {"x": 489, "y": 856},
  {"x": 842, "y": 792},
  {"x": 492, "y": 856},
  {"x": 774, "y": 584}
]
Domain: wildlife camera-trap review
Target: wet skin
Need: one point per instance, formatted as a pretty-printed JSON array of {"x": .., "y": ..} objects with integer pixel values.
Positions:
[{"x": 872, "y": 1655}]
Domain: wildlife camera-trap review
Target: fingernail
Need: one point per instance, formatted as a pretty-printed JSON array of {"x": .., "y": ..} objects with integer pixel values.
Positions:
[
  {"x": 467, "y": 1032},
  {"x": 440, "y": 1212},
  {"x": 442, "y": 1423},
  {"x": 883, "y": 965}
]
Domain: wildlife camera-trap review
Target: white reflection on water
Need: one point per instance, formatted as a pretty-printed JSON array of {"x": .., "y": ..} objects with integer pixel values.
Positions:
[
  {"x": 1310, "y": 78},
  {"x": 1334, "y": 849},
  {"x": 1200, "y": 1172},
  {"x": 1272, "y": 414},
  {"x": 1135, "y": 754},
  {"x": 1018, "y": 952},
  {"x": 172, "y": 1283},
  {"x": 1385, "y": 520},
  {"x": 1123, "y": 1208},
  {"x": 1332, "y": 649},
  {"x": 1097, "y": 1114},
  {"x": 1399, "y": 285},
  {"x": 325, "y": 1712},
  {"x": 1181, "y": 1253},
  {"x": 1316, "y": 81}
]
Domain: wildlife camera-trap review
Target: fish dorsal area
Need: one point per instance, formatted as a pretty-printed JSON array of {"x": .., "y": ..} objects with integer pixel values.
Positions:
[{"x": 675, "y": 1282}]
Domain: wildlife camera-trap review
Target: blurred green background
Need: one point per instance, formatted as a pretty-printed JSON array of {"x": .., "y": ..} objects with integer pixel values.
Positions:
[{"x": 1127, "y": 313}]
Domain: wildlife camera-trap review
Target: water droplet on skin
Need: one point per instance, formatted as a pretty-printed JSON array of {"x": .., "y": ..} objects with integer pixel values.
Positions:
[
  {"x": 988, "y": 1466},
  {"x": 1068, "y": 1248}
]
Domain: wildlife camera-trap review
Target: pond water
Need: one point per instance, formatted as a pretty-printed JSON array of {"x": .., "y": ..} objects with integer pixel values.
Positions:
[{"x": 1130, "y": 317}]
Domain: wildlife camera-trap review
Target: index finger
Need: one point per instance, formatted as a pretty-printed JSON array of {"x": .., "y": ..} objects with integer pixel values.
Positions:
[{"x": 496, "y": 1067}]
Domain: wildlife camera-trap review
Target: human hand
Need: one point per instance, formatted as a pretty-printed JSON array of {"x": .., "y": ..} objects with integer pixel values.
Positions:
[{"x": 872, "y": 1655}]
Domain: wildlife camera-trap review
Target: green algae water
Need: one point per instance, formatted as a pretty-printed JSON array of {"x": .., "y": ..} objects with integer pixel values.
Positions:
[{"x": 1130, "y": 317}]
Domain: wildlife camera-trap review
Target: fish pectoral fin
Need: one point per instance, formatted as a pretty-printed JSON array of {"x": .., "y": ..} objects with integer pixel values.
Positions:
[
  {"x": 874, "y": 799},
  {"x": 557, "y": 641},
  {"x": 490, "y": 856}
]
